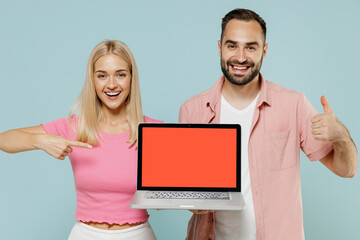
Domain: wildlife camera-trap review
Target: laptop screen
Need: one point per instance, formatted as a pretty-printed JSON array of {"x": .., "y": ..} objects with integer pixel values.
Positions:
[{"x": 189, "y": 157}]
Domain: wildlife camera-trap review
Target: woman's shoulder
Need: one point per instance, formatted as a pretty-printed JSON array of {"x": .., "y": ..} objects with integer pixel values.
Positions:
[
  {"x": 61, "y": 126},
  {"x": 151, "y": 120},
  {"x": 67, "y": 121}
]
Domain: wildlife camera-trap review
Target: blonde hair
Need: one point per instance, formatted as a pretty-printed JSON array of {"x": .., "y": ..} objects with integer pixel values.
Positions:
[{"x": 89, "y": 105}]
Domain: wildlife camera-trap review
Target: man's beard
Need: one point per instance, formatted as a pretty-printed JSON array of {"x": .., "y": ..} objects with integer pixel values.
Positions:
[{"x": 238, "y": 79}]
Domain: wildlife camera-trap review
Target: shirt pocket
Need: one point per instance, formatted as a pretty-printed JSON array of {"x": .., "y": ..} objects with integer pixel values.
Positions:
[{"x": 279, "y": 150}]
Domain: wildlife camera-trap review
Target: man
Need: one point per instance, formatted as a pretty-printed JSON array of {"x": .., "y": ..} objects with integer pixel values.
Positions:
[{"x": 276, "y": 124}]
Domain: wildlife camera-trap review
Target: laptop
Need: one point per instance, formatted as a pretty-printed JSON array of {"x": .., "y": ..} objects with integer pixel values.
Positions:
[{"x": 188, "y": 166}]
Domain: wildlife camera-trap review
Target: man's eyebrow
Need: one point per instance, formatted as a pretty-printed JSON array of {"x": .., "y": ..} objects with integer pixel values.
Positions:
[
  {"x": 247, "y": 44},
  {"x": 252, "y": 43},
  {"x": 230, "y": 41}
]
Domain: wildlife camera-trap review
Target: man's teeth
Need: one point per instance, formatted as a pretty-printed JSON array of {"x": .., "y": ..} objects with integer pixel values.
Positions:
[
  {"x": 240, "y": 68},
  {"x": 112, "y": 94}
]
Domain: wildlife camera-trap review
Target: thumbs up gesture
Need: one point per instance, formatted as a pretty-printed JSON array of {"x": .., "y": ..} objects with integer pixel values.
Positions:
[{"x": 326, "y": 127}]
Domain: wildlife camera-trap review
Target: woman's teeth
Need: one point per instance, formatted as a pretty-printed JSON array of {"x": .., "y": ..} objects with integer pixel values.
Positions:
[{"x": 112, "y": 94}]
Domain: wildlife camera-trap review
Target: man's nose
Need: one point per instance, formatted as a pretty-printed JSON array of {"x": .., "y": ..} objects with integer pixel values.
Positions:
[{"x": 241, "y": 55}]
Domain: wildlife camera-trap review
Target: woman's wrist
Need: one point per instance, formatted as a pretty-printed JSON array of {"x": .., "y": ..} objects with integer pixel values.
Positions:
[{"x": 38, "y": 140}]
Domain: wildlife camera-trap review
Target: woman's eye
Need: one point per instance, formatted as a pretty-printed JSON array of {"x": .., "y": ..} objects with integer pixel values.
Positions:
[
  {"x": 121, "y": 75},
  {"x": 101, "y": 76}
]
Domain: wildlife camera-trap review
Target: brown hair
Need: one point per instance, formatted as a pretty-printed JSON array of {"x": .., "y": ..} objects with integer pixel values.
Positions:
[{"x": 243, "y": 15}]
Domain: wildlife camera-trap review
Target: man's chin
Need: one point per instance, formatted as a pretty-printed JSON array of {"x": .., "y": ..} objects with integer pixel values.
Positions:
[{"x": 239, "y": 81}]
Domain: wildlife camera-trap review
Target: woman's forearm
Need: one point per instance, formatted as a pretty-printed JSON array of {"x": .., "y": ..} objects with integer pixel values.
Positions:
[{"x": 14, "y": 141}]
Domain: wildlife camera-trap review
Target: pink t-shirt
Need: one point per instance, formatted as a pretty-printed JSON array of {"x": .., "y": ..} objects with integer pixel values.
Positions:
[{"x": 105, "y": 176}]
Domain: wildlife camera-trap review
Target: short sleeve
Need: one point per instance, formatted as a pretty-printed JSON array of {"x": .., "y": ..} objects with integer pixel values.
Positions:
[
  {"x": 183, "y": 116},
  {"x": 59, "y": 127},
  {"x": 314, "y": 149},
  {"x": 150, "y": 120}
]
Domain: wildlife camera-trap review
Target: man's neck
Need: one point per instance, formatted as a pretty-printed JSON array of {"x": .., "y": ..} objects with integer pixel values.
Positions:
[{"x": 241, "y": 96}]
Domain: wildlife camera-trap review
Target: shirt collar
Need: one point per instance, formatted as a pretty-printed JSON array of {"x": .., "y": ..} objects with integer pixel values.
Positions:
[{"x": 215, "y": 93}]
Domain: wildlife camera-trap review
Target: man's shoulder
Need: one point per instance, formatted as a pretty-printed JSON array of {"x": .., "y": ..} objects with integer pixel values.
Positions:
[
  {"x": 197, "y": 108},
  {"x": 198, "y": 99}
]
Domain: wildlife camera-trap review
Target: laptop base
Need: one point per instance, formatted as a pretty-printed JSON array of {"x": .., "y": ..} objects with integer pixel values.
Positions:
[{"x": 236, "y": 202}]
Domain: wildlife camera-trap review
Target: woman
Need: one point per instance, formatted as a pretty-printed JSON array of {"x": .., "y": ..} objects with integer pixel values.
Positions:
[{"x": 101, "y": 144}]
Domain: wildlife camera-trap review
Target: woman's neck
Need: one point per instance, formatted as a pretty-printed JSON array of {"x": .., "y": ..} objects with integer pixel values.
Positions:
[{"x": 114, "y": 121}]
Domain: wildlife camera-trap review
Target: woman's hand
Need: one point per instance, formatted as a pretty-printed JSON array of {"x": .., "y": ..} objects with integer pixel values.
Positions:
[
  {"x": 58, "y": 146},
  {"x": 32, "y": 138}
]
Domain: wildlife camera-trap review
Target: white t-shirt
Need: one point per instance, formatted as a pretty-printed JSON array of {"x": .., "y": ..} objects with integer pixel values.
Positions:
[{"x": 238, "y": 224}]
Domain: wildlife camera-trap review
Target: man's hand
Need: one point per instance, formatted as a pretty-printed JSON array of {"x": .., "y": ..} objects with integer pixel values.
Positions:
[
  {"x": 201, "y": 211},
  {"x": 326, "y": 127}
]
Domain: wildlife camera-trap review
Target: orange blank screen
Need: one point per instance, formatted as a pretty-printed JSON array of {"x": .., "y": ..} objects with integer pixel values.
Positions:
[{"x": 189, "y": 157}]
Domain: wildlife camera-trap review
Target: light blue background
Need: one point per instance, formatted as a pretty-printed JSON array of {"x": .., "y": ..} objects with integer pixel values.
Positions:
[{"x": 44, "y": 46}]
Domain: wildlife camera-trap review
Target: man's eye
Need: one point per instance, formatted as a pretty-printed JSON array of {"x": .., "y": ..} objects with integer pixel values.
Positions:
[
  {"x": 231, "y": 46},
  {"x": 251, "y": 48}
]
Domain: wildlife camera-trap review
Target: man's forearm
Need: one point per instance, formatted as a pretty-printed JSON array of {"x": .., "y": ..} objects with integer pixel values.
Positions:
[{"x": 345, "y": 161}]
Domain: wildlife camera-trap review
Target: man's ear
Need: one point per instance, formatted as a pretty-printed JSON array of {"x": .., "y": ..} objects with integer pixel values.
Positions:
[
  {"x": 265, "y": 50},
  {"x": 219, "y": 47}
]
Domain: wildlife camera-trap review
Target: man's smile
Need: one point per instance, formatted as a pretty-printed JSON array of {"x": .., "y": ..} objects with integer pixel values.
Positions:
[{"x": 239, "y": 68}]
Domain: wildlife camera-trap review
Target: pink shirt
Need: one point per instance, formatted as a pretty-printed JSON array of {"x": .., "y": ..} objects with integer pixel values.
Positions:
[
  {"x": 281, "y": 126},
  {"x": 105, "y": 176}
]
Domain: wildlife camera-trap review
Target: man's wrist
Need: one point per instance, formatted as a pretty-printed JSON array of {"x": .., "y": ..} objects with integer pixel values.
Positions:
[{"x": 344, "y": 135}]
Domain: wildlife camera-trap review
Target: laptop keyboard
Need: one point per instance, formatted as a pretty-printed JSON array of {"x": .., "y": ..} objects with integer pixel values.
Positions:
[{"x": 187, "y": 195}]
